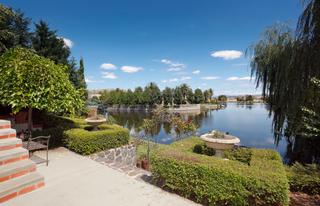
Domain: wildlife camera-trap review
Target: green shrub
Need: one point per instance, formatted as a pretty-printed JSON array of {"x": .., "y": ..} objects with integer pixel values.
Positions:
[
  {"x": 203, "y": 149},
  {"x": 87, "y": 142},
  {"x": 55, "y": 126},
  {"x": 239, "y": 154},
  {"x": 304, "y": 178},
  {"x": 215, "y": 181}
]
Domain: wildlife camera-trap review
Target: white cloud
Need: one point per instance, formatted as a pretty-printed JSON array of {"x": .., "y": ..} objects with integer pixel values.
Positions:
[
  {"x": 210, "y": 78},
  {"x": 109, "y": 75},
  {"x": 227, "y": 54},
  {"x": 67, "y": 42},
  {"x": 174, "y": 69},
  {"x": 173, "y": 66},
  {"x": 238, "y": 78},
  {"x": 91, "y": 80},
  {"x": 184, "y": 78},
  {"x": 131, "y": 69},
  {"x": 196, "y": 72},
  {"x": 108, "y": 66},
  {"x": 173, "y": 80}
]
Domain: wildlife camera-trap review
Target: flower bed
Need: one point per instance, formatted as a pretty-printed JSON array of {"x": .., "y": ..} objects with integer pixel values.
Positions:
[{"x": 215, "y": 181}]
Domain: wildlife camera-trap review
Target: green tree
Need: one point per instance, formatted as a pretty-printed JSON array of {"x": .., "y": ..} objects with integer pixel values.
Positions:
[
  {"x": 177, "y": 96},
  {"x": 14, "y": 29},
  {"x": 198, "y": 96},
  {"x": 190, "y": 96},
  {"x": 30, "y": 81},
  {"x": 210, "y": 91},
  {"x": 139, "y": 97},
  {"x": 81, "y": 79},
  {"x": 311, "y": 114},
  {"x": 167, "y": 96},
  {"x": 222, "y": 98},
  {"x": 152, "y": 94},
  {"x": 249, "y": 98},
  {"x": 206, "y": 96},
  {"x": 185, "y": 90},
  {"x": 284, "y": 63},
  {"x": 46, "y": 43}
]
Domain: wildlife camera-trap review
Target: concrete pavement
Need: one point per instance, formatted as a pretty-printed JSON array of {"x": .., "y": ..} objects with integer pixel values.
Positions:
[{"x": 74, "y": 180}]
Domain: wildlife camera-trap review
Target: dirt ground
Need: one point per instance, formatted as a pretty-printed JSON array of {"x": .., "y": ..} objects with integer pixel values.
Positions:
[{"x": 302, "y": 199}]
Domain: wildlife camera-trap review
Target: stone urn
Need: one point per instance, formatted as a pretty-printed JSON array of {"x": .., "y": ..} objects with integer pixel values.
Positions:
[
  {"x": 219, "y": 141},
  {"x": 95, "y": 121}
]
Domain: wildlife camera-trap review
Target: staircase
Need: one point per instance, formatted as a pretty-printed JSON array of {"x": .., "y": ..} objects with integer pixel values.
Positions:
[{"x": 17, "y": 172}]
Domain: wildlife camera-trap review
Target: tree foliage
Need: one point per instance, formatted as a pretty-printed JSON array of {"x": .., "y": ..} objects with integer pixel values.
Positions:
[
  {"x": 198, "y": 96},
  {"x": 15, "y": 32},
  {"x": 46, "y": 43},
  {"x": 14, "y": 29},
  {"x": 167, "y": 96},
  {"x": 151, "y": 95},
  {"x": 31, "y": 81},
  {"x": 286, "y": 65},
  {"x": 222, "y": 98}
]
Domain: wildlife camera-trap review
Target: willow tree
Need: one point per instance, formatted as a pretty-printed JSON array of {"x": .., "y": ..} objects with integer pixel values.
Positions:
[
  {"x": 29, "y": 81},
  {"x": 284, "y": 62}
]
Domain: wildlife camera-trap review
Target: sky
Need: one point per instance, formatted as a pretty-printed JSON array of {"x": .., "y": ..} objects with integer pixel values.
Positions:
[{"x": 129, "y": 43}]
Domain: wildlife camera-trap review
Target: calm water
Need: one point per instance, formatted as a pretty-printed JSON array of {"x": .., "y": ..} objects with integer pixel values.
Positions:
[{"x": 250, "y": 123}]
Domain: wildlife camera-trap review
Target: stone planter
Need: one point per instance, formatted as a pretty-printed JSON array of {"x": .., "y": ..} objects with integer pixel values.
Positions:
[{"x": 220, "y": 144}]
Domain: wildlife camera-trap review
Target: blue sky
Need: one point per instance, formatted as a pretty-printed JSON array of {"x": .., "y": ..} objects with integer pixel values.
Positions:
[{"x": 130, "y": 43}]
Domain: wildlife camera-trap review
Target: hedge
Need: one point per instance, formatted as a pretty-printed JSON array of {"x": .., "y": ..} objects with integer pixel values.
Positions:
[
  {"x": 304, "y": 178},
  {"x": 54, "y": 126},
  {"x": 87, "y": 142},
  {"x": 215, "y": 181}
]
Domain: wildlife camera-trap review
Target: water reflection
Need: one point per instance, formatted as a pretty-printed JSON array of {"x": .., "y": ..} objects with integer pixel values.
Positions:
[{"x": 250, "y": 122}]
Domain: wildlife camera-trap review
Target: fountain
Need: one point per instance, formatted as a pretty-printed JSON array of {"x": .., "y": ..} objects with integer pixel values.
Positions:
[
  {"x": 219, "y": 141},
  {"x": 93, "y": 119}
]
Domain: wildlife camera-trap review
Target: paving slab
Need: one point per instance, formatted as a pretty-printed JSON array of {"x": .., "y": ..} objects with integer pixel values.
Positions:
[{"x": 74, "y": 180}]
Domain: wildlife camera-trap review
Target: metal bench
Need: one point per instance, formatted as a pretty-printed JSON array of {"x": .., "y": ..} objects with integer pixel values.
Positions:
[{"x": 37, "y": 143}]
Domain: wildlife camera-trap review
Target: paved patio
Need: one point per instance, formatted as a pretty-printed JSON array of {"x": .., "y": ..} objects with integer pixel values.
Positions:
[{"x": 74, "y": 180}]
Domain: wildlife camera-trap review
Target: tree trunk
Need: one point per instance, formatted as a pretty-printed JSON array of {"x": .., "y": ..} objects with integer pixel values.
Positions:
[{"x": 30, "y": 121}]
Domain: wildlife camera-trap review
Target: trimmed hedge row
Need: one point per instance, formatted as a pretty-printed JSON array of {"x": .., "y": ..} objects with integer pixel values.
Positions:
[
  {"x": 304, "y": 178},
  {"x": 55, "y": 126},
  {"x": 75, "y": 134},
  {"x": 215, "y": 181},
  {"x": 87, "y": 142}
]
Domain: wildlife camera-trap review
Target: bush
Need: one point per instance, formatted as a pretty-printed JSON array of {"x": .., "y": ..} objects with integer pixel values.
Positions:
[
  {"x": 55, "y": 126},
  {"x": 304, "y": 178},
  {"x": 87, "y": 142},
  {"x": 215, "y": 181},
  {"x": 240, "y": 154},
  {"x": 203, "y": 149}
]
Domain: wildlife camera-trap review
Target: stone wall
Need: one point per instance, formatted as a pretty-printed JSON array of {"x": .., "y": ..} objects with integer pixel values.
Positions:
[{"x": 121, "y": 156}]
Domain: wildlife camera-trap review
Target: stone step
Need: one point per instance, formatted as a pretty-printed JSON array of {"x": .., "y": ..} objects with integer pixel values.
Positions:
[
  {"x": 10, "y": 143},
  {"x": 20, "y": 185},
  {"x": 16, "y": 169},
  {"x": 7, "y": 133},
  {"x": 5, "y": 124},
  {"x": 13, "y": 155}
]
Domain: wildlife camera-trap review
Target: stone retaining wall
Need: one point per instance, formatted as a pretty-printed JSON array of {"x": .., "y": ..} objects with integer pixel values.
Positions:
[{"x": 124, "y": 156}]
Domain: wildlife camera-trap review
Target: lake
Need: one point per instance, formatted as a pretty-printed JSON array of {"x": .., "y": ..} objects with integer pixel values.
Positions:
[{"x": 251, "y": 123}]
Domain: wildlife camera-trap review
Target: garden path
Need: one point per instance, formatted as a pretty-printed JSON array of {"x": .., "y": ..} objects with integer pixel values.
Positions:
[{"x": 75, "y": 180}]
